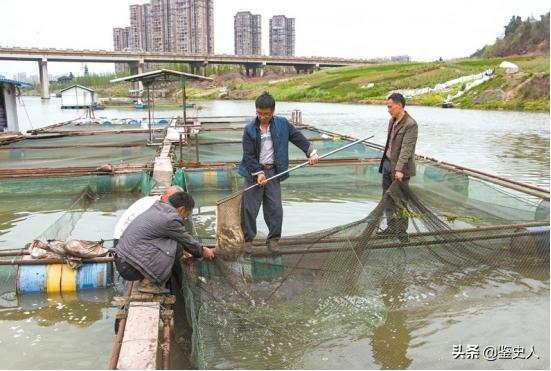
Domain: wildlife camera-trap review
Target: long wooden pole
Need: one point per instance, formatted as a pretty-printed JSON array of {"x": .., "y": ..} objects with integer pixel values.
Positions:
[
  {"x": 118, "y": 340},
  {"x": 53, "y": 261}
]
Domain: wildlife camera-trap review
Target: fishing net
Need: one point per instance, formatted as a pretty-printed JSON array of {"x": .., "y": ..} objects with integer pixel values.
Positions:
[
  {"x": 342, "y": 284},
  {"x": 229, "y": 235},
  {"x": 61, "y": 229}
]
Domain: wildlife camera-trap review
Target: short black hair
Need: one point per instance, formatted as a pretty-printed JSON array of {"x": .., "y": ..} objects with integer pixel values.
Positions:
[
  {"x": 180, "y": 199},
  {"x": 265, "y": 100},
  {"x": 397, "y": 98}
]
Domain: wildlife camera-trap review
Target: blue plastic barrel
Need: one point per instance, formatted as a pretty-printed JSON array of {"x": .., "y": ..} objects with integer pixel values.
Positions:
[
  {"x": 31, "y": 278},
  {"x": 34, "y": 278},
  {"x": 162, "y": 122},
  {"x": 106, "y": 122},
  {"x": 136, "y": 122},
  {"x": 94, "y": 276}
]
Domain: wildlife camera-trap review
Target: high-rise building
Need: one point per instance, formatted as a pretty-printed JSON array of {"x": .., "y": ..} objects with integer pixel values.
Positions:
[
  {"x": 201, "y": 26},
  {"x": 120, "y": 38},
  {"x": 282, "y": 35},
  {"x": 182, "y": 26},
  {"x": 121, "y": 42},
  {"x": 160, "y": 10},
  {"x": 140, "y": 23},
  {"x": 247, "y": 33}
]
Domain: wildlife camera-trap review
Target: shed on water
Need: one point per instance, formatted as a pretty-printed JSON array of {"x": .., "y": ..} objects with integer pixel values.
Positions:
[
  {"x": 8, "y": 104},
  {"x": 78, "y": 96}
]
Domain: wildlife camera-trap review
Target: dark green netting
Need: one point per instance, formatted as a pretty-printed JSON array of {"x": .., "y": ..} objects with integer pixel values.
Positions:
[
  {"x": 137, "y": 183},
  {"x": 346, "y": 283}
]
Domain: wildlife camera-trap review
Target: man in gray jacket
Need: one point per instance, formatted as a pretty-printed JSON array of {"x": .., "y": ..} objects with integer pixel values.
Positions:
[
  {"x": 155, "y": 240},
  {"x": 398, "y": 161}
]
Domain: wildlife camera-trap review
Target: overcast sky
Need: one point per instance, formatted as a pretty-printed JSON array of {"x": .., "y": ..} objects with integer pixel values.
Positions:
[{"x": 425, "y": 30}]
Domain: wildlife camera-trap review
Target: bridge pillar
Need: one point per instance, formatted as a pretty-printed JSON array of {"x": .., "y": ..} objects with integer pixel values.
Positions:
[
  {"x": 305, "y": 68},
  {"x": 44, "y": 83},
  {"x": 199, "y": 68},
  {"x": 137, "y": 68},
  {"x": 256, "y": 69}
]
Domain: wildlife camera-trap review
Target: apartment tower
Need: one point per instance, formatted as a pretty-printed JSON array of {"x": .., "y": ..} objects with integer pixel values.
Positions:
[
  {"x": 282, "y": 36},
  {"x": 247, "y": 34}
]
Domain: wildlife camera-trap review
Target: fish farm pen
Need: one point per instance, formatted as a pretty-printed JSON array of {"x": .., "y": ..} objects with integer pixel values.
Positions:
[{"x": 331, "y": 282}]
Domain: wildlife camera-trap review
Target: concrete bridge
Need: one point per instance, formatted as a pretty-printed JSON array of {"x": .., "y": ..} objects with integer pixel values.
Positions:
[{"x": 254, "y": 65}]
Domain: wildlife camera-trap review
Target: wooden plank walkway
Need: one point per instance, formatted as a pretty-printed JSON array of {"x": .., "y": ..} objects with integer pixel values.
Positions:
[{"x": 141, "y": 336}]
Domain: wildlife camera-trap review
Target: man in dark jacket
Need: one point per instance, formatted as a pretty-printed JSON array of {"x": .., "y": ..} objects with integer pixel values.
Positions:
[
  {"x": 155, "y": 240},
  {"x": 398, "y": 161},
  {"x": 265, "y": 154}
]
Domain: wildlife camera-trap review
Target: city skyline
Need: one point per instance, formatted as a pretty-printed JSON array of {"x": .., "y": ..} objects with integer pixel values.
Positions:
[
  {"x": 423, "y": 30},
  {"x": 180, "y": 26}
]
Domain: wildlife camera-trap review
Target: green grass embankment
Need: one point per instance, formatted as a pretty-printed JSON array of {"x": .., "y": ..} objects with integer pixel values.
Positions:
[{"x": 526, "y": 90}]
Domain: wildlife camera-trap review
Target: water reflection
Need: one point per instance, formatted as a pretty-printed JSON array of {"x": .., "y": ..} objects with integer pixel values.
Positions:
[
  {"x": 80, "y": 309},
  {"x": 520, "y": 147},
  {"x": 390, "y": 342}
]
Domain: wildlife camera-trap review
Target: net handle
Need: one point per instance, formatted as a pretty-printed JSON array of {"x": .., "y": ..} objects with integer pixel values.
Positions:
[{"x": 306, "y": 162}]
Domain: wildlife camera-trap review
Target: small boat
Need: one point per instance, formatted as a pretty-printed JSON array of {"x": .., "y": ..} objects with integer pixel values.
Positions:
[
  {"x": 140, "y": 105},
  {"x": 447, "y": 104},
  {"x": 99, "y": 106}
]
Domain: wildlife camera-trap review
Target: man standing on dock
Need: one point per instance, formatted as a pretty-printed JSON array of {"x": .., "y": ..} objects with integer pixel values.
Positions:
[
  {"x": 265, "y": 154},
  {"x": 397, "y": 163},
  {"x": 155, "y": 240}
]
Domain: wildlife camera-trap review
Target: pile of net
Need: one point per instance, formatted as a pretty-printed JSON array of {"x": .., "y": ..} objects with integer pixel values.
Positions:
[
  {"x": 71, "y": 251},
  {"x": 54, "y": 243},
  {"x": 340, "y": 285}
]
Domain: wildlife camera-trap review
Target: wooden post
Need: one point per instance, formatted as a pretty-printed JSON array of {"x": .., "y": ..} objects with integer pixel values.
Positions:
[
  {"x": 181, "y": 159},
  {"x": 197, "y": 147},
  {"x": 149, "y": 114},
  {"x": 184, "y": 98}
]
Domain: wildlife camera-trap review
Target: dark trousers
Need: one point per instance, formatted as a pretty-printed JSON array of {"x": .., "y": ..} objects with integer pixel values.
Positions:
[
  {"x": 394, "y": 218},
  {"x": 269, "y": 197},
  {"x": 130, "y": 273},
  {"x": 127, "y": 270}
]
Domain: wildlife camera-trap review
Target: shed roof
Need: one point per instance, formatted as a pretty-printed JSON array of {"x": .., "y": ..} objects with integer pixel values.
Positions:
[
  {"x": 4, "y": 80},
  {"x": 161, "y": 75},
  {"x": 78, "y": 86}
]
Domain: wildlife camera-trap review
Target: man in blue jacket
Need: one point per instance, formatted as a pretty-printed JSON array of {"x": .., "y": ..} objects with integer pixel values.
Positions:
[{"x": 265, "y": 154}]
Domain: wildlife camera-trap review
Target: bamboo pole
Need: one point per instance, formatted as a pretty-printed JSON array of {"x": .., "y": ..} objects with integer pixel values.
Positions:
[
  {"x": 166, "y": 316},
  {"x": 53, "y": 261},
  {"x": 266, "y": 252},
  {"x": 297, "y": 241},
  {"x": 120, "y": 335}
]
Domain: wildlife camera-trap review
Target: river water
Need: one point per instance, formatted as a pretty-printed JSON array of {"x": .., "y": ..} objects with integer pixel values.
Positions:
[{"x": 67, "y": 332}]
